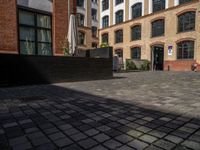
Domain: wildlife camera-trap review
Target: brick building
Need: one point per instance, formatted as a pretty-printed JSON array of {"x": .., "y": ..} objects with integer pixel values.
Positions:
[
  {"x": 34, "y": 27},
  {"x": 165, "y": 32}
]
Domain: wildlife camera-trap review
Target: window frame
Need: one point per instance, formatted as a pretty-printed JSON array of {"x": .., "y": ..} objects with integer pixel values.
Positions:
[
  {"x": 137, "y": 49},
  {"x": 182, "y": 50},
  {"x": 134, "y": 6},
  {"x": 153, "y": 33},
  {"x": 156, "y": 7},
  {"x": 119, "y": 16},
  {"x": 133, "y": 38},
  {"x": 35, "y": 12},
  {"x": 119, "y": 36}
]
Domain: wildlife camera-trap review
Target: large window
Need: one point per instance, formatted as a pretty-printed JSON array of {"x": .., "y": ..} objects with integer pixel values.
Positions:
[
  {"x": 80, "y": 19},
  {"x": 158, "y": 5},
  {"x": 136, "y": 10},
  {"x": 34, "y": 33},
  {"x": 119, "y": 15},
  {"x": 104, "y": 38},
  {"x": 119, "y": 36},
  {"x": 186, "y": 22},
  {"x": 118, "y": 2},
  {"x": 184, "y": 1},
  {"x": 158, "y": 28},
  {"x": 80, "y": 3},
  {"x": 185, "y": 50},
  {"x": 105, "y": 5},
  {"x": 81, "y": 38},
  {"x": 136, "y": 32},
  {"x": 136, "y": 53},
  {"x": 119, "y": 53},
  {"x": 105, "y": 21},
  {"x": 94, "y": 14}
]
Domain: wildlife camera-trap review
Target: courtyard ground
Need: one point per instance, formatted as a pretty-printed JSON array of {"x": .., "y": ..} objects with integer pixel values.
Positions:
[{"x": 141, "y": 110}]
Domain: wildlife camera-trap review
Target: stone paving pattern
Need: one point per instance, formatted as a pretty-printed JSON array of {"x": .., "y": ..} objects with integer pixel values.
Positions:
[{"x": 76, "y": 116}]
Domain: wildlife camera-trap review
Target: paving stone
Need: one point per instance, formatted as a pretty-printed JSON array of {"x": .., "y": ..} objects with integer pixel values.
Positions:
[
  {"x": 137, "y": 144},
  {"x": 191, "y": 144},
  {"x": 112, "y": 144},
  {"x": 91, "y": 132},
  {"x": 181, "y": 134},
  {"x": 134, "y": 133},
  {"x": 148, "y": 138},
  {"x": 65, "y": 126},
  {"x": 144, "y": 129},
  {"x": 192, "y": 125},
  {"x": 87, "y": 143},
  {"x": 152, "y": 147},
  {"x": 101, "y": 137},
  {"x": 51, "y": 130},
  {"x": 57, "y": 135},
  {"x": 165, "y": 144},
  {"x": 103, "y": 128},
  {"x": 72, "y": 147},
  {"x": 24, "y": 146},
  {"x": 71, "y": 131},
  {"x": 8, "y": 125},
  {"x": 125, "y": 147},
  {"x": 18, "y": 140},
  {"x": 40, "y": 141},
  {"x": 156, "y": 133},
  {"x": 174, "y": 139},
  {"x": 124, "y": 138},
  {"x": 99, "y": 147},
  {"x": 63, "y": 142},
  {"x": 78, "y": 137},
  {"x": 195, "y": 138},
  {"x": 46, "y": 146}
]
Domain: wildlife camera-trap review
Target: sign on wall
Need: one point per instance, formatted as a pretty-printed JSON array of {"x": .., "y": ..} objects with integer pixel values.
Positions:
[{"x": 170, "y": 50}]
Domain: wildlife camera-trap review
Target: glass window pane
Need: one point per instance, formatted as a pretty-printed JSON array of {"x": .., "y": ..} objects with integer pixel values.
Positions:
[
  {"x": 26, "y": 18},
  {"x": 27, "y": 34},
  {"x": 44, "y": 36},
  {"x": 27, "y": 48},
  {"x": 43, "y": 21},
  {"x": 44, "y": 49}
]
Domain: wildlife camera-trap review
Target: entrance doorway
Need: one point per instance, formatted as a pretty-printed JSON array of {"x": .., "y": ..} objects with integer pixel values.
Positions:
[{"x": 157, "y": 57}]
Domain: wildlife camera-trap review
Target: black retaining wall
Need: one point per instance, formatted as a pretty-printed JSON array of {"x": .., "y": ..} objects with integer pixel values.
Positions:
[{"x": 26, "y": 70}]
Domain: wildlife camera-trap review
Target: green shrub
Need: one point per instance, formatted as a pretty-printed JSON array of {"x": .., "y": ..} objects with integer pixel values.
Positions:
[
  {"x": 104, "y": 45},
  {"x": 145, "y": 65},
  {"x": 130, "y": 65}
]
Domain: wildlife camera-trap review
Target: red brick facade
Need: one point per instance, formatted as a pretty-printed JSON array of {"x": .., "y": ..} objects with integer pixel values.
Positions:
[
  {"x": 60, "y": 22},
  {"x": 8, "y": 27},
  {"x": 179, "y": 65}
]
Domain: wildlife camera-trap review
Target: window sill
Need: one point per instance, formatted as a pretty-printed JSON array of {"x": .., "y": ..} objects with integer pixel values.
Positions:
[
  {"x": 190, "y": 59},
  {"x": 159, "y": 36},
  {"x": 185, "y": 31}
]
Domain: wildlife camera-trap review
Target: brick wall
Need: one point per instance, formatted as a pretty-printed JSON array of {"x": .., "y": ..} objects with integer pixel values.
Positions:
[
  {"x": 60, "y": 23},
  {"x": 179, "y": 65},
  {"x": 8, "y": 27}
]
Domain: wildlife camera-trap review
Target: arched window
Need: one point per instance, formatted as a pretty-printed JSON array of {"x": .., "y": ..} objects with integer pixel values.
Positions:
[
  {"x": 186, "y": 21},
  {"x": 105, "y": 5},
  {"x": 119, "y": 53},
  {"x": 185, "y": 50},
  {"x": 158, "y": 5},
  {"x": 119, "y": 16},
  {"x": 119, "y": 36},
  {"x": 184, "y": 1},
  {"x": 105, "y": 21},
  {"x": 136, "y": 32},
  {"x": 136, "y": 10},
  {"x": 136, "y": 53},
  {"x": 81, "y": 38},
  {"x": 80, "y": 19},
  {"x": 158, "y": 28},
  {"x": 104, "y": 38}
]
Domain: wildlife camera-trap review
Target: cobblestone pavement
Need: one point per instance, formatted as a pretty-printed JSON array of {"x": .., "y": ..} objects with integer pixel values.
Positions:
[{"x": 149, "y": 110}]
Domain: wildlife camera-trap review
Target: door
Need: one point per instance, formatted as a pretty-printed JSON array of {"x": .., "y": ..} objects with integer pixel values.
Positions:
[{"x": 158, "y": 57}]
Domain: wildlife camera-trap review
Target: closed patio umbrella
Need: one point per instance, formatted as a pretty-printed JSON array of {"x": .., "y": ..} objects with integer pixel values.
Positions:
[{"x": 72, "y": 35}]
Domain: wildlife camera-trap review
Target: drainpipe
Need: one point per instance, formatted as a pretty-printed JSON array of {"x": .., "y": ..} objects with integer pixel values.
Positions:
[{"x": 69, "y": 12}]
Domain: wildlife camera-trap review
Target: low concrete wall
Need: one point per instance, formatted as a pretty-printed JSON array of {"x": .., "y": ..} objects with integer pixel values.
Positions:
[{"x": 26, "y": 70}]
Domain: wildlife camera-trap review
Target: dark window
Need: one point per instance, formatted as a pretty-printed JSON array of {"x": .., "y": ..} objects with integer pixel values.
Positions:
[
  {"x": 185, "y": 50},
  {"x": 119, "y": 36},
  {"x": 158, "y": 5},
  {"x": 105, "y": 5},
  {"x": 80, "y": 19},
  {"x": 94, "y": 45},
  {"x": 136, "y": 53},
  {"x": 119, "y": 53},
  {"x": 119, "y": 15},
  {"x": 186, "y": 21},
  {"x": 118, "y": 2},
  {"x": 105, "y": 21},
  {"x": 81, "y": 38},
  {"x": 184, "y": 1},
  {"x": 95, "y": 1},
  {"x": 94, "y": 14},
  {"x": 136, "y": 33},
  {"x": 137, "y": 10},
  {"x": 80, "y": 3},
  {"x": 94, "y": 31},
  {"x": 105, "y": 38},
  {"x": 34, "y": 33},
  {"x": 158, "y": 28}
]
